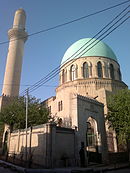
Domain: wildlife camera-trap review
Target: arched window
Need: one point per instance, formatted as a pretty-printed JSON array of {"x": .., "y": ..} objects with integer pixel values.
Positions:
[
  {"x": 72, "y": 73},
  {"x": 85, "y": 70},
  {"x": 112, "y": 71},
  {"x": 119, "y": 74},
  {"x": 99, "y": 69}
]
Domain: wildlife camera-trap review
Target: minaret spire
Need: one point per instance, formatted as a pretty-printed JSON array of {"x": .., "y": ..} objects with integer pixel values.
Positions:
[{"x": 17, "y": 37}]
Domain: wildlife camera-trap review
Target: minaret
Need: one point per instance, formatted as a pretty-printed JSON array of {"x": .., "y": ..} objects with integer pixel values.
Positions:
[{"x": 17, "y": 37}]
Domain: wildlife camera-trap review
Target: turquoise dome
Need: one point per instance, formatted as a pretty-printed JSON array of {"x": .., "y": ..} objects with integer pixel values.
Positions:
[{"x": 100, "y": 49}]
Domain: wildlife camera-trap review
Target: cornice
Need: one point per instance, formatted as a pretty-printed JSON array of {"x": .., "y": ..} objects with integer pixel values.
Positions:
[{"x": 88, "y": 82}]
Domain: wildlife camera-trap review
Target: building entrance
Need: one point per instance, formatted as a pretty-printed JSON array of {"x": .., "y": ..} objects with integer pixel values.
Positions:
[{"x": 93, "y": 154}]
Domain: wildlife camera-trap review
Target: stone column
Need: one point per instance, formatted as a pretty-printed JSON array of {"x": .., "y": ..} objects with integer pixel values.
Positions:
[
  {"x": 53, "y": 147},
  {"x": 50, "y": 144},
  {"x": 69, "y": 75},
  {"x": 90, "y": 71},
  {"x": 96, "y": 71},
  {"x": 103, "y": 139},
  {"x": 18, "y": 140},
  {"x": 104, "y": 71}
]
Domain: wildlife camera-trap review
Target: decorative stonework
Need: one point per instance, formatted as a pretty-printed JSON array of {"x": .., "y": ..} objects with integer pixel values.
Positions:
[
  {"x": 92, "y": 68},
  {"x": 17, "y": 34},
  {"x": 98, "y": 83}
]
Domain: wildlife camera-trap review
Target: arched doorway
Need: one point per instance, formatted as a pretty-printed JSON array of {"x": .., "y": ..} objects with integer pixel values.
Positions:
[
  {"x": 90, "y": 137},
  {"x": 5, "y": 143},
  {"x": 92, "y": 141}
]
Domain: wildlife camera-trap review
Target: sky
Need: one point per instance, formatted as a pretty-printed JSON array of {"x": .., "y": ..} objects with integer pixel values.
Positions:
[{"x": 43, "y": 52}]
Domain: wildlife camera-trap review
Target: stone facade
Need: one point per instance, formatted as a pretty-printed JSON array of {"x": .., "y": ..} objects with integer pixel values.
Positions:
[
  {"x": 95, "y": 85},
  {"x": 85, "y": 83},
  {"x": 75, "y": 113},
  {"x": 44, "y": 146},
  {"x": 49, "y": 145}
]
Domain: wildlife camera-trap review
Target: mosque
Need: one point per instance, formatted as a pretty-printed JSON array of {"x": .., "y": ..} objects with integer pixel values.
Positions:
[{"x": 89, "y": 73}]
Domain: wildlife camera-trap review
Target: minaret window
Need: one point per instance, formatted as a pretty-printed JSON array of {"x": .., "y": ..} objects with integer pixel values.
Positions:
[
  {"x": 72, "y": 73},
  {"x": 112, "y": 71},
  {"x": 85, "y": 70},
  {"x": 99, "y": 69}
]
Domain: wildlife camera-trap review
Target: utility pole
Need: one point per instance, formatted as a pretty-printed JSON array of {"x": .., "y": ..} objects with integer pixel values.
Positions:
[{"x": 27, "y": 95}]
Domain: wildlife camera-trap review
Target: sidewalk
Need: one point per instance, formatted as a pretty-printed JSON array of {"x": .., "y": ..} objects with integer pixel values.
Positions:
[{"x": 89, "y": 169}]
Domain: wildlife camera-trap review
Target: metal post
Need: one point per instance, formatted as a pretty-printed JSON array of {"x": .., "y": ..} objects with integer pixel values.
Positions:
[{"x": 26, "y": 124}]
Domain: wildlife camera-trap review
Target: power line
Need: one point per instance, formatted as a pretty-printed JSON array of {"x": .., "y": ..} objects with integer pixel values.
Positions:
[
  {"x": 76, "y": 51},
  {"x": 54, "y": 73},
  {"x": 26, "y": 85},
  {"x": 37, "y": 83},
  {"x": 103, "y": 33},
  {"x": 37, "y": 86},
  {"x": 75, "y": 20},
  {"x": 99, "y": 32},
  {"x": 67, "y": 23}
]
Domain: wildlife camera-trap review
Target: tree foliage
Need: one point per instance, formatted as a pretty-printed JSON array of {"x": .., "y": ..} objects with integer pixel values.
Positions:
[
  {"x": 119, "y": 114},
  {"x": 14, "y": 113}
]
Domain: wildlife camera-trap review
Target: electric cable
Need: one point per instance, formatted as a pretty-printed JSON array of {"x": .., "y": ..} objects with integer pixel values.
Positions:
[
  {"x": 80, "y": 48},
  {"x": 53, "y": 74},
  {"x": 79, "y": 57},
  {"x": 23, "y": 85},
  {"x": 66, "y": 23},
  {"x": 46, "y": 78},
  {"x": 38, "y": 85}
]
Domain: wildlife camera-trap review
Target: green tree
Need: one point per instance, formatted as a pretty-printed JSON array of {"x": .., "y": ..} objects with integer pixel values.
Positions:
[
  {"x": 14, "y": 113},
  {"x": 119, "y": 114}
]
